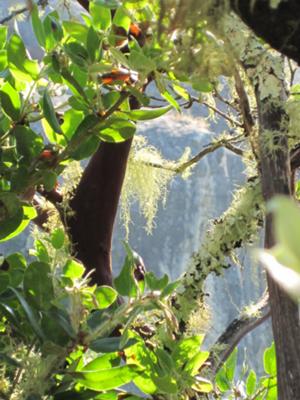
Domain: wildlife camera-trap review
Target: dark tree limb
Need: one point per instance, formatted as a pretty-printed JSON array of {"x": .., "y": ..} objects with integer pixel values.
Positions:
[
  {"x": 95, "y": 206},
  {"x": 280, "y": 26},
  {"x": 236, "y": 331}
]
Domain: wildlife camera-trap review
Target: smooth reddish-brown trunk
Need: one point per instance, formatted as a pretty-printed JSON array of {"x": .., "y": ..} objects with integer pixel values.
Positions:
[{"x": 95, "y": 206}]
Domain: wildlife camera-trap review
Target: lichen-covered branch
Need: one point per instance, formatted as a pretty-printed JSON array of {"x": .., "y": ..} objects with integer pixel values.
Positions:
[
  {"x": 265, "y": 70},
  {"x": 237, "y": 226}
]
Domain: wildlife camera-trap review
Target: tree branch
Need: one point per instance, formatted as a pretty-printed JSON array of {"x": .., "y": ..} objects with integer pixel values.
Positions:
[
  {"x": 22, "y": 10},
  {"x": 236, "y": 331},
  {"x": 178, "y": 169}
]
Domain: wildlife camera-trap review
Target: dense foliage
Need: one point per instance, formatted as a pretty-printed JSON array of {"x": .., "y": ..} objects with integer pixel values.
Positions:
[{"x": 60, "y": 337}]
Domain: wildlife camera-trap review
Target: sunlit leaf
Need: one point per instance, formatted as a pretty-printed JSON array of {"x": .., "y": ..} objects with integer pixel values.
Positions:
[
  {"x": 49, "y": 113},
  {"x": 146, "y": 114},
  {"x": 38, "y": 285},
  {"x": 37, "y": 25},
  {"x": 105, "y": 296},
  {"x": 10, "y": 101}
]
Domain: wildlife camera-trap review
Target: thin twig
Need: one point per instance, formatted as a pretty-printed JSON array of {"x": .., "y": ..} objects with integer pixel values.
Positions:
[
  {"x": 21, "y": 11},
  {"x": 192, "y": 100},
  {"x": 178, "y": 169}
]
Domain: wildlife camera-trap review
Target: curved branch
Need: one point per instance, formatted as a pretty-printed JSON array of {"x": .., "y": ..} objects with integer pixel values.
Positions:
[
  {"x": 20, "y": 11},
  {"x": 236, "y": 331}
]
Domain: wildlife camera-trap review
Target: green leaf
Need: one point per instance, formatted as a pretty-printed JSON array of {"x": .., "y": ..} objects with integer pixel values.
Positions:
[
  {"x": 251, "y": 383},
  {"x": 71, "y": 120},
  {"x": 17, "y": 265},
  {"x": 93, "y": 45},
  {"x": 30, "y": 314},
  {"x": 73, "y": 269},
  {"x": 21, "y": 67},
  {"x": 41, "y": 251},
  {"x": 38, "y": 286},
  {"x": 110, "y": 345},
  {"x": 88, "y": 147},
  {"x": 16, "y": 261},
  {"x": 52, "y": 328},
  {"x": 103, "y": 362},
  {"x": 222, "y": 382},
  {"x": 77, "y": 53},
  {"x": 38, "y": 26},
  {"x": 53, "y": 30},
  {"x": 118, "y": 131},
  {"x": 4, "y": 281},
  {"x": 49, "y": 180},
  {"x": 202, "y": 385},
  {"x": 146, "y": 114},
  {"x": 73, "y": 84},
  {"x": 120, "y": 57},
  {"x": 29, "y": 144},
  {"x": 58, "y": 238},
  {"x": 106, "y": 379},
  {"x": 181, "y": 91},
  {"x": 125, "y": 283},
  {"x": 170, "y": 99},
  {"x": 3, "y": 60},
  {"x": 76, "y": 30},
  {"x": 230, "y": 365},
  {"x": 10, "y": 101},
  {"x": 169, "y": 289},
  {"x": 155, "y": 283},
  {"x": 14, "y": 225},
  {"x": 166, "y": 384},
  {"x": 270, "y": 360},
  {"x": 49, "y": 113},
  {"x": 195, "y": 363},
  {"x": 11, "y": 214},
  {"x": 121, "y": 18},
  {"x": 101, "y": 16},
  {"x": 141, "y": 63},
  {"x": 186, "y": 348},
  {"x": 3, "y": 36},
  {"x": 105, "y": 296},
  {"x": 202, "y": 85},
  {"x": 165, "y": 360}
]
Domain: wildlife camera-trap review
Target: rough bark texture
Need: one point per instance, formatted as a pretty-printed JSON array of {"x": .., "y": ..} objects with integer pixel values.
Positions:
[
  {"x": 275, "y": 178},
  {"x": 279, "y": 26}
]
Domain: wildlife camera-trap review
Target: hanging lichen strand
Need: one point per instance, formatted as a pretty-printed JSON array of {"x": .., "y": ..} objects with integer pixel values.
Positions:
[
  {"x": 238, "y": 225},
  {"x": 146, "y": 182}
]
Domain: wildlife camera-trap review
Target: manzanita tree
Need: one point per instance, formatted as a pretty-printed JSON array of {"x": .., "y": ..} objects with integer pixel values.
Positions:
[{"x": 63, "y": 337}]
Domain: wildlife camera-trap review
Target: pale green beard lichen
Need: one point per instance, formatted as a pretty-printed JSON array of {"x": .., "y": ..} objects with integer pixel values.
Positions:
[{"x": 146, "y": 181}]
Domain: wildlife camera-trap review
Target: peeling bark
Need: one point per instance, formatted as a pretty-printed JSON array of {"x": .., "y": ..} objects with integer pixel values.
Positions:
[{"x": 275, "y": 178}]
